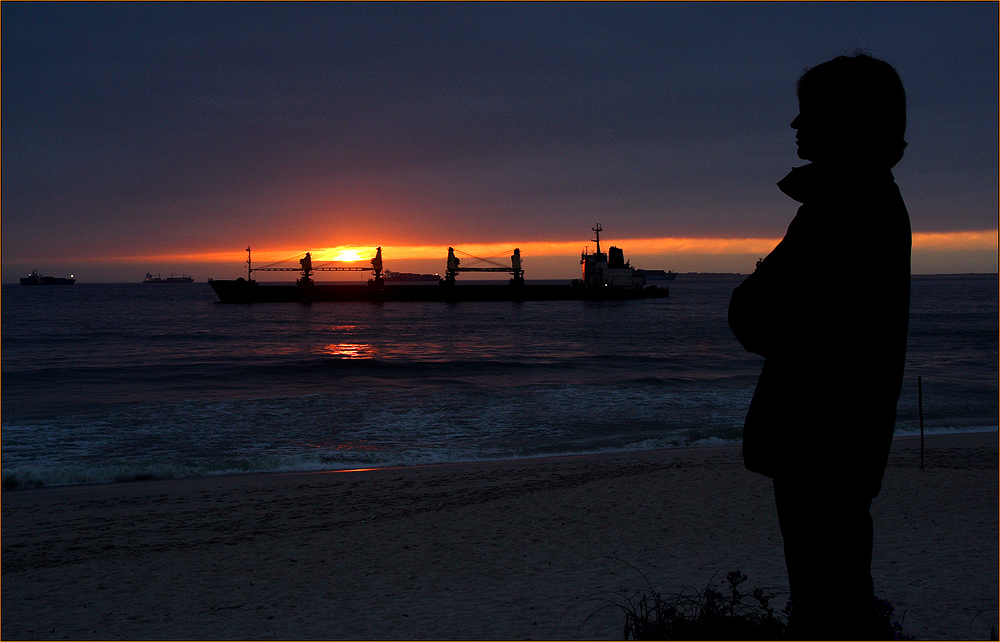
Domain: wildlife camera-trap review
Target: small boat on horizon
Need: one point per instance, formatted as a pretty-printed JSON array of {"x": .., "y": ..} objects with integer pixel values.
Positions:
[
  {"x": 37, "y": 279},
  {"x": 410, "y": 277},
  {"x": 656, "y": 275},
  {"x": 183, "y": 278}
]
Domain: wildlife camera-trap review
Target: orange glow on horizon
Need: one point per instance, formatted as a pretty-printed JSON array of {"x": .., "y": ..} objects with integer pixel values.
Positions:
[
  {"x": 359, "y": 254},
  {"x": 976, "y": 240}
]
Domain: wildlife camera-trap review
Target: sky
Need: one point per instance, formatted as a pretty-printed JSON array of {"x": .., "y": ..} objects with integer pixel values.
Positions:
[{"x": 168, "y": 137}]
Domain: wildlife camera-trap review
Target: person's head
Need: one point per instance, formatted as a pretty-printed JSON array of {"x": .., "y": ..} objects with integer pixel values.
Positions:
[{"x": 852, "y": 109}]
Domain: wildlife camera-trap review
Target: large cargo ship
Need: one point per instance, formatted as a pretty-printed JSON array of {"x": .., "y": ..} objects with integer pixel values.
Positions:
[
  {"x": 37, "y": 279},
  {"x": 606, "y": 276}
]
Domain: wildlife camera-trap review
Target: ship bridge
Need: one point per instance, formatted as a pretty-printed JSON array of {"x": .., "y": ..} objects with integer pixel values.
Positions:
[{"x": 602, "y": 270}]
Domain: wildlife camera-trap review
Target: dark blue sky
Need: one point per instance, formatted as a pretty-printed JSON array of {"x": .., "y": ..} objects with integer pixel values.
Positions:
[{"x": 141, "y": 128}]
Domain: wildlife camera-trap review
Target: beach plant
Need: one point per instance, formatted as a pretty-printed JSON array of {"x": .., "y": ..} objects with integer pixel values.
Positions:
[
  {"x": 725, "y": 612},
  {"x": 720, "y": 611},
  {"x": 893, "y": 628},
  {"x": 994, "y": 634}
]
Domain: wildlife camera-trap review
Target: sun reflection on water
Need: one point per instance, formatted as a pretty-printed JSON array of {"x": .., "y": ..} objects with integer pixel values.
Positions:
[{"x": 349, "y": 350}]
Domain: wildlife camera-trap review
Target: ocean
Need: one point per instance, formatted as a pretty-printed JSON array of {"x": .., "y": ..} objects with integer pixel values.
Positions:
[{"x": 116, "y": 382}]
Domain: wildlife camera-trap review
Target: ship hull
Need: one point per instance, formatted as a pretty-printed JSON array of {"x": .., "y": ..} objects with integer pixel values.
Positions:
[
  {"x": 47, "y": 280},
  {"x": 242, "y": 291}
]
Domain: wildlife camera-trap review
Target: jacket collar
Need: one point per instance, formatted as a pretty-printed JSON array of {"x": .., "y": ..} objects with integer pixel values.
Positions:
[{"x": 813, "y": 181}]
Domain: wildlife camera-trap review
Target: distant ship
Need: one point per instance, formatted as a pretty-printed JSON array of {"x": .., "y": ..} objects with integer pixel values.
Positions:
[
  {"x": 184, "y": 278},
  {"x": 409, "y": 277},
  {"x": 653, "y": 276},
  {"x": 37, "y": 279}
]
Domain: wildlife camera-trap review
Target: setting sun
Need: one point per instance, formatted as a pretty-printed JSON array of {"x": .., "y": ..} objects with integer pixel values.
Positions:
[{"x": 347, "y": 255}]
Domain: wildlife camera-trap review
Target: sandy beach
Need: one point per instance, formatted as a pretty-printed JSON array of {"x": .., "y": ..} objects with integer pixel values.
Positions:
[{"x": 528, "y": 549}]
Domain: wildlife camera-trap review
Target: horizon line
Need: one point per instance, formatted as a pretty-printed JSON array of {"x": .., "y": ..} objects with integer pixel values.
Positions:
[{"x": 968, "y": 240}]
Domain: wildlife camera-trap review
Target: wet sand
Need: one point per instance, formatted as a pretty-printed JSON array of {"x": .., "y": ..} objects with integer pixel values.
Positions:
[{"x": 497, "y": 550}]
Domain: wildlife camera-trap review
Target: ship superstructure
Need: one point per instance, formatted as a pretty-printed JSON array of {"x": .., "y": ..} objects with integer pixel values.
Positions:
[{"x": 602, "y": 270}]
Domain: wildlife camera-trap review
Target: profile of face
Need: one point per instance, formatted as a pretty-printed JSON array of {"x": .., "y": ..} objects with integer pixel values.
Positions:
[{"x": 821, "y": 137}]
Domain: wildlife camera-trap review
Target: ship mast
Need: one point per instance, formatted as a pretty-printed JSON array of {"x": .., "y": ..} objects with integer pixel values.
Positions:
[
  {"x": 248, "y": 263},
  {"x": 597, "y": 230}
]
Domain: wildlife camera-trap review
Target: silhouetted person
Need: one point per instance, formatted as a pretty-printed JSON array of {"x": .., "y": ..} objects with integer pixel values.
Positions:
[{"x": 828, "y": 310}]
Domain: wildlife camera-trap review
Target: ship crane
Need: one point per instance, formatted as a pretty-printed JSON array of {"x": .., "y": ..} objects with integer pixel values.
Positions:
[
  {"x": 515, "y": 269},
  {"x": 307, "y": 268}
]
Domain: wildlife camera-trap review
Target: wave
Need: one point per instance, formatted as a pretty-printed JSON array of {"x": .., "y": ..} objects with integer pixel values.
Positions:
[
  {"x": 946, "y": 430},
  {"x": 26, "y": 477},
  {"x": 400, "y": 363}
]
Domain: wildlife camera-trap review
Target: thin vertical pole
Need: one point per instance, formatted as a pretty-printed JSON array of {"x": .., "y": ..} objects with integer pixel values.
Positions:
[{"x": 920, "y": 406}]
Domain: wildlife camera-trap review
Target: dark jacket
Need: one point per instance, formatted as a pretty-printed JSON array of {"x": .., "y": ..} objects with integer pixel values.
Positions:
[{"x": 828, "y": 310}]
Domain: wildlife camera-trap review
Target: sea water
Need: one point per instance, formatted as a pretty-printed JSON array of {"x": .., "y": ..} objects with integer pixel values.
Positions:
[{"x": 114, "y": 382}]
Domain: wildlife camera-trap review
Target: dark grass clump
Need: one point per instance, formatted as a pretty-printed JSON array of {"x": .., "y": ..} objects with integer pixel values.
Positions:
[
  {"x": 725, "y": 612},
  {"x": 711, "y": 614}
]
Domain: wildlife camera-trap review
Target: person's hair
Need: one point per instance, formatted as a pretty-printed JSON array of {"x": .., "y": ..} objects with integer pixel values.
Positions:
[{"x": 866, "y": 96}]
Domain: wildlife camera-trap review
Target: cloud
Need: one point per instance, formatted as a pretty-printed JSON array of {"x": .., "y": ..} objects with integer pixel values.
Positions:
[{"x": 166, "y": 127}]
